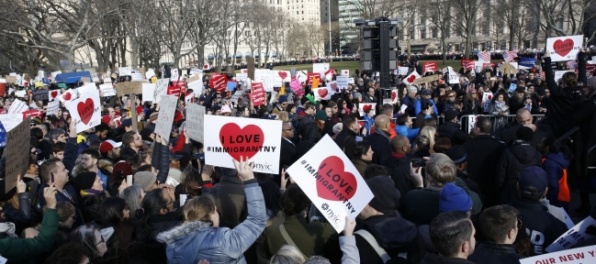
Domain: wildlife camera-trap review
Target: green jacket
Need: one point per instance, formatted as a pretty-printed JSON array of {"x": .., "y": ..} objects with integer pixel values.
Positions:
[
  {"x": 310, "y": 238},
  {"x": 24, "y": 250}
]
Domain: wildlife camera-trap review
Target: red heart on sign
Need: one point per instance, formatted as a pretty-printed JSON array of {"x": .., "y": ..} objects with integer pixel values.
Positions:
[
  {"x": 411, "y": 78},
  {"x": 322, "y": 92},
  {"x": 563, "y": 47},
  {"x": 245, "y": 142},
  {"x": 67, "y": 96},
  {"x": 393, "y": 95},
  {"x": 86, "y": 110},
  {"x": 332, "y": 170},
  {"x": 53, "y": 94},
  {"x": 282, "y": 74}
]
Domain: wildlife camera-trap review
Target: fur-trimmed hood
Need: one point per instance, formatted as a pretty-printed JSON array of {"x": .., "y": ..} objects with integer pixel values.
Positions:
[{"x": 182, "y": 231}]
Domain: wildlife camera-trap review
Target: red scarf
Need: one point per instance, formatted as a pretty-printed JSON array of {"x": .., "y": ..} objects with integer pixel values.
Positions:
[{"x": 397, "y": 155}]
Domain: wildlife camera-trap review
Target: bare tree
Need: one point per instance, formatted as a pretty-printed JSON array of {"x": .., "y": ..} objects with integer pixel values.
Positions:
[
  {"x": 465, "y": 19},
  {"x": 369, "y": 9},
  {"x": 440, "y": 18}
]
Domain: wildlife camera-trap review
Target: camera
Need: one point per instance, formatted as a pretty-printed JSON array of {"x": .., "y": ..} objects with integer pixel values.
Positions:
[{"x": 418, "y": 162}]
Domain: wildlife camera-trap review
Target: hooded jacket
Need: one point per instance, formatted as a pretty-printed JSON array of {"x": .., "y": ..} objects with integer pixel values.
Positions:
[
  {"x": 513, "y": 160},
  {"x": 196, "y": 240},
  {"x": 553, "y": 165}
]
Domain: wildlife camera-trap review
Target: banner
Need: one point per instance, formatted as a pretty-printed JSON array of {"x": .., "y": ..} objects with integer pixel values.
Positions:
[
  {"x": 581, "y": 255},
  {"x": 85, "y": 109},
  {"x": 564, "y": 48},
  {"x": 431, "y": 66},
  {"x": 165, "y": 118},
  {"x": 229, "y": 138},
  {"x": 194, "y": 125},
  {"x": 573, "y": 236},
  {"x": 528, "y": 62},
  {"x": 258, "y": 96},
  {"x": 17, "y": 153},
  {"x": 331, "y": 182}
]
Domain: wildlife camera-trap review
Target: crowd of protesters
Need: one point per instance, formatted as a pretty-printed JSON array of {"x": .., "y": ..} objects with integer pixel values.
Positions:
[{"x": 441, "y": 194}]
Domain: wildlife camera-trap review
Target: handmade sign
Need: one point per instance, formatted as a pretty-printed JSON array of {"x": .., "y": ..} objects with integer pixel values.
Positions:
[
  {"x": 174, "y": 75},
  {"x": 453, "y": 76},
  {"x": 196, "y": 83},
  {"x": 574, "y": 236},
  {"x": 432, "y": 66},
  {"x": 468, "y": 65},
  {"x": 124, "y": 88},
  {"x": 258, "y": 96},
  {"x": 345, "y": 72},
  {"x": 40, "y": 95},
  {"x": 86, "y": 108},
  {"x": 124, "y": 71},
  {"x": 403, "y": 71},
  {"x": 165, "y": 118},
  {"x": 18, "y": 107},
  {"x": 256, "y": 140},
  {"x": 10, "y": 121},
  {"x": 394, "y": 96},
  {"x": 320, "y": 68},
  {"x": 508, "y": 68},
  {"x": 194, "y": 124},
  {"x": 364, "y": 106},
  {"x": 411, "y": 78},
  {"x": 427, "y": 79},
  {"x": 528, "y": 62},
  {"x": 323, "y": 93},
  {"x": 11, "y": 79},
  {"x": 241, "y": 77},
  {"x": 342, "y": 81},
  {"x": 265, "y": 77},
  {"x": 107, "y": 89},
  {"x": 33, "y": 113},
  {"x": 160, "y": 89},
  {"x": 195, "y": 71},
  {"x": 53, "y": 107},
  {"x": 313, "y": 78},
  {"x": 149, "y": 73},
  {"x": 234, "y": 98},
  {"x": 581, "y": 255},
  {"x": 148, "y": 92},
  {"x": 17, "y": 156},
  {"x": 564, "y": 48},
  {"x": 331, "y": 182},
  {"x": 218, "y": 82}
]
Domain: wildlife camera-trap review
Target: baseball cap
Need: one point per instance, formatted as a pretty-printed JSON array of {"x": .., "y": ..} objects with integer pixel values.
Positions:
[
  {"x": 108, "y": 145},
  {"x": 533, "y": 178}
]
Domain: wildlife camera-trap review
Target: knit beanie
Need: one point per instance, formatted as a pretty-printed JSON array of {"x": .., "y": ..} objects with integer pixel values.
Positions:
[
  {"x": 454, "y": 198},
  {"x": 144, "y": 179}
]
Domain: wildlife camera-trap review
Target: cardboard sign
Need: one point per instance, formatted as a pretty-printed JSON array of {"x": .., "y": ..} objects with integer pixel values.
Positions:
[
  {"x": 53, "y": 107},
  {"x": 165, "y": 118},
  {"x": 581, "y": 255},
  {"x": 426, "y": 79},
  {"x": 573, "y": 236},
  {"x": 411, "y": 78},
  {"x": 257, "y": 94},
  {"x": 431, "y": 66},
  {"x": 107, "y": 89},
  {"x": 194, "y": 125},
  {"x": 342, "y": 81},
  {"x": 508, "y": 68},
  {"x": 331, "y": 182},
  {"x": 10, "y": 121},
  {"x": 18, "y": 107},
  {"x": 218, "y": 82},
  {"x": 160, "y": 89},
  {"x": 40, "y": 95},
  {"x": 564, "y": 48},
  {"x": 86, "y": 108},
  {"x": 362, "y": 105},
  {"x": 11, "y": 79},
  {"x": 229, "y": 138},
  {"x": 320, "y": 68},
  {"x": 124, "y": 88},
  {"x": 17, "y": 156},
  {"x": 323, "y": 93}
]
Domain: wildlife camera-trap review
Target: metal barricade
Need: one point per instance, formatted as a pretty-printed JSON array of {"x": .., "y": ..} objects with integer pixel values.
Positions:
[{"x": 499, "y": 121}]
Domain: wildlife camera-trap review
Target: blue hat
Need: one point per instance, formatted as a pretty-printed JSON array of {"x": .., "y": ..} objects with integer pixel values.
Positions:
[
  {"x": 454, "y": 198},
  {"x": 283, "y": 99},
  {"x": 533, "y": 177},
  {"x": 126, "y": 122}
]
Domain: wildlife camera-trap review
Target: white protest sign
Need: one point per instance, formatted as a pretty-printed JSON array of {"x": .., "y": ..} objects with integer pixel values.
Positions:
[
  {"x": 174, "y": 74},
  {"x": 17, "y": 156},
  {"x": 403, "y": 71},
  {"x": 559, "y": 75},
  {"x": 331, "y": 182},
  {"x": 86, "y": 108},
  {"x": 486, "y": 97},
  {"x": 581, "y": 255},
  {"x": 471, "y": 122},
  {"x": 107, "y": 89},
  {"x": 10, "y": 121},
  {"x": 20, "y": 93},
  {"x": 194, "y": 124},
  {"x": 165, "y": 118},
  {"x": 53, "y": 107},
  {"x": 18, "y": 107},
  {"x": 229, "y": 138},
  {"x": 196, "y": 85},
  {"x": 160, "y": 89},
  {"x": 241, "y": 77},
  {"x": 265, "y": 77},
  {"x": 453, "y": 76},
  {"x": 564, "y": 48},
  {"x": 123, "y": 71},
  {"x": 323, "y": 93},
  {"x": 148, "y": 92},
  {"x": 342, "y": 81},
  {"x": 195, "y": 71},
  {"x": 351, "y": 80},
  {"x": 573, "y": 236},
  {"x": 276, "y": 79},
  {"x": 149, "y": 73},
  {"x": 320, "y": 68},
  {"x": 363, "y": 106}
]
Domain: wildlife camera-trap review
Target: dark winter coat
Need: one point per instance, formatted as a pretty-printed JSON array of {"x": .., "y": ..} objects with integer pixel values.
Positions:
[
  {"x": 483, "y": 153},
  {"x": 513, "y": 161},
  {"x": 489, "y": 253}
]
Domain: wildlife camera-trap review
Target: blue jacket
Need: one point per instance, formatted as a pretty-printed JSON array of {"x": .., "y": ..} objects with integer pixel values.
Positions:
[
  {"x": 418, "y": 106},
  {"x": 553, "y": 165},
  {"x": 410, "y": 133},
  {"x": 369, "y": 123},
  {"x": 196, "y": 240}
]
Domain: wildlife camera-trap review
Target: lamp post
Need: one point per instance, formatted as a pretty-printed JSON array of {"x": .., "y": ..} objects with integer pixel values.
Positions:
[{"x": 329, "y": 25}]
